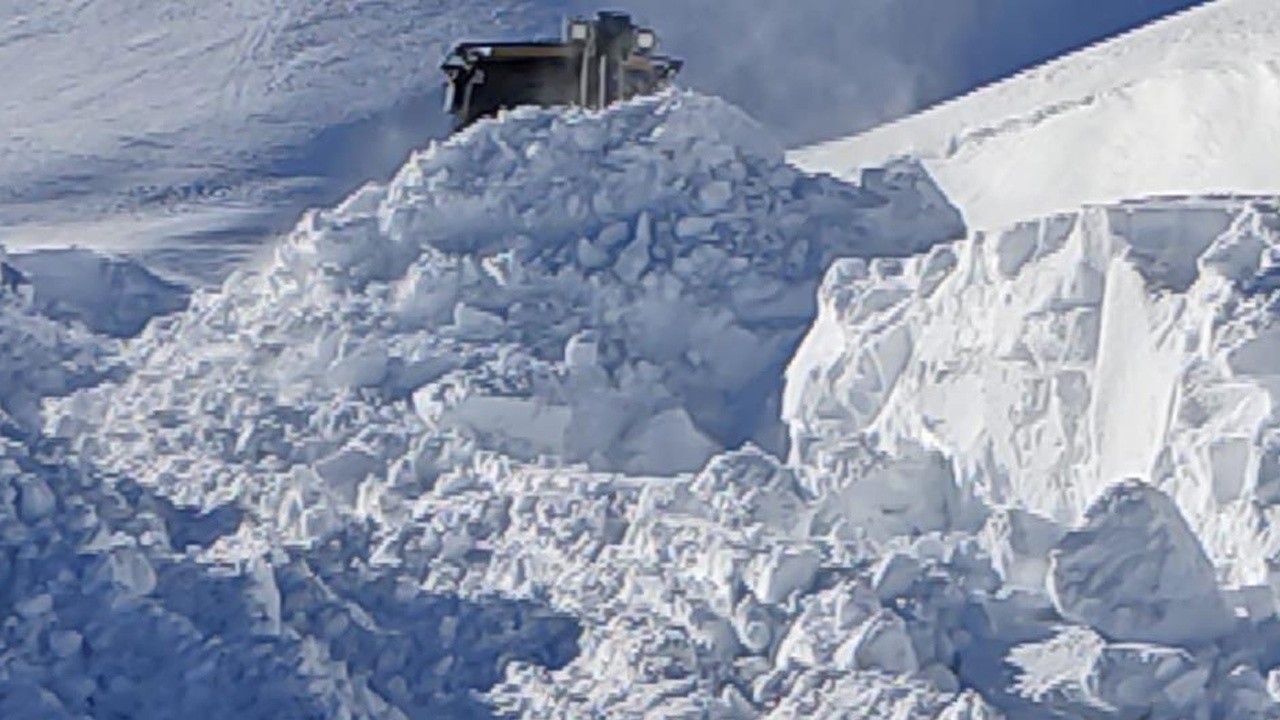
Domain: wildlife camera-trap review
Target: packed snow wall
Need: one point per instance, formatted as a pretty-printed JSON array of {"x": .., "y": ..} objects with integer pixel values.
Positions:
[{"x": 1062, "y": 355}]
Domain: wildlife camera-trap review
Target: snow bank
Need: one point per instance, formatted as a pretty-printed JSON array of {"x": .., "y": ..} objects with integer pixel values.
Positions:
[{"x": 1056, "y": 357}]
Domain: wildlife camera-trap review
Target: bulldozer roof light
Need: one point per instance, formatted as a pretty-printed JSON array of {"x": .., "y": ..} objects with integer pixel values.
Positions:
[
  {"x": 579, "y": 30},
  {"x": 646, "y": 39}
]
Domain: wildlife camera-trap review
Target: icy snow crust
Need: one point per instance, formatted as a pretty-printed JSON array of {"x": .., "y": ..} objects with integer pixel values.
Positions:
[
  {"x": 464, "y": 448},
  {"x": 1181, "y": 106}
]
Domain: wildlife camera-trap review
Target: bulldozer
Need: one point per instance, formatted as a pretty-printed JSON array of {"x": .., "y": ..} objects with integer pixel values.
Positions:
[{"x": 597, "y": 62}]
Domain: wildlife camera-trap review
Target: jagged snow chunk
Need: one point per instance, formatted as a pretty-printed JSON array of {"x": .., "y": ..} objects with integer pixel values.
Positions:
[
  {"x": 1161, "y": 681},
  {"x": 1134, "y": 571},
  {"x": 970, "y": 706},
  {"x": 1055, "y": 357},
  {"x": 880, "y": 643},
  {"x": 1019, "y": 542},
  {"x": 867, "y": 493}
]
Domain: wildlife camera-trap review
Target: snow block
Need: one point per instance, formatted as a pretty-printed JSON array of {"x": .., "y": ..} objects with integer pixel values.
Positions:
[
  {"x": 1019, "y": 542},
  {"x": 1134, "y": 571},
  {"x": 880, "y": 643},
  {"x": 1154, "y": 681}
]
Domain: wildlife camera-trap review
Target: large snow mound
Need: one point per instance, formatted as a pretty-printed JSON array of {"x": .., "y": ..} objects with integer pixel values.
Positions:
[
  {"x": 621, "y": 290},
  {"x": 1182, "y": 106},
  {"x": 108, "y": 295},
  {"x": 471, "y": 444}
]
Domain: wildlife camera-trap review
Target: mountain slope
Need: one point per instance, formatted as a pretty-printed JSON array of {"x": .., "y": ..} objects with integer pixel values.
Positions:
[
  {"x": 186, "y": 133},
  {"x": 1181, "y": 107}
]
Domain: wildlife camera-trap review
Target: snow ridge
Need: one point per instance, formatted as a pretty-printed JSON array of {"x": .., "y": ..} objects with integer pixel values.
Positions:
[{"x": 1167, "y": 109}]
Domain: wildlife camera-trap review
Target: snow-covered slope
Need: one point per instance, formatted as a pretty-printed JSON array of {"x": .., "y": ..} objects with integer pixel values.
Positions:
[
  {"x": 1181, "y": 107},
  {"x": 187, "y": 133}
]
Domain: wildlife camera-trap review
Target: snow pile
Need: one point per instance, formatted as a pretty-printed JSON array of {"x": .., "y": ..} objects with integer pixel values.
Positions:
[
  {"x": 334, "y": 406},
  {"x": 108, "y": 295},
  {"x": 120, "y": 605},
  {"x": 705, "y": 606},
  {"x": 621, "y": 290},
  {"x": 1182, "y": 106},
  {"x": 1155, "y": 637},
  {"x": 1054, "y": 358}
]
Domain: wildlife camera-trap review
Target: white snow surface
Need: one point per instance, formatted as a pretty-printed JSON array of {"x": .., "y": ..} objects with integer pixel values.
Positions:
[
  {"x": 183, "y": 134},
  {"x": 561, "y": 423},
  {"x": 108, "y": 295},
  {"x": 1180, "y": 107}
]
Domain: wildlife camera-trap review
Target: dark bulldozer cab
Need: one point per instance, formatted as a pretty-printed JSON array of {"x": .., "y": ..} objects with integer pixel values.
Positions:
[{"x": 597, "y": 63}]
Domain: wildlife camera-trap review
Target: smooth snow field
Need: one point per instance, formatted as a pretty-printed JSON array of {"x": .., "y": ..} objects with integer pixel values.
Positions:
[{"x": 631, "y": 414}]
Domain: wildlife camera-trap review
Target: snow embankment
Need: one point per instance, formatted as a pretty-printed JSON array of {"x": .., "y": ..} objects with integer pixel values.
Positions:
[
  {"x": 1181, "y": 107},
  {"x": 1059, "y": 356}
]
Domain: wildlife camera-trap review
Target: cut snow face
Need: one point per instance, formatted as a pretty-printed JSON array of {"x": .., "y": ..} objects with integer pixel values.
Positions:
[
  {"x": 1181, "y": 107},
  {"x": 1054, "y": 358}
]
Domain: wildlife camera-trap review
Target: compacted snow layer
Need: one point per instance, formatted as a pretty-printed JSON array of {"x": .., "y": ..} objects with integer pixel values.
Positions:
[
  {"x": 1182, "y": 106},
  {"x": 472, "y": 445}
]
